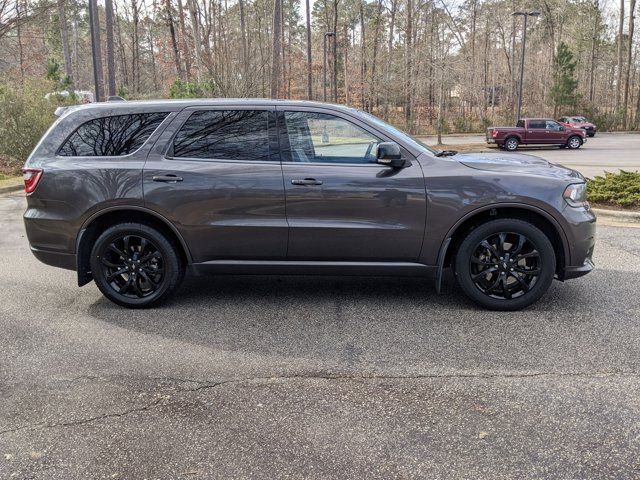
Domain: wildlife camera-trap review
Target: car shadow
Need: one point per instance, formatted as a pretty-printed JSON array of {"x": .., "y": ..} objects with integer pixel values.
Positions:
[{"x": 366, "y": 323}]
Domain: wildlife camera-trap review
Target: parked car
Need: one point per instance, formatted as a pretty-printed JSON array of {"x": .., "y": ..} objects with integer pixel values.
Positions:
[
  {"x": 131, "y": 194},
  {"x": 579, "y": 122},
  {"x": 536, "y": 131}
]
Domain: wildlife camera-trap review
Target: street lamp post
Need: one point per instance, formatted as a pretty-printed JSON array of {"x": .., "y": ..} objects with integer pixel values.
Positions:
[
  {"x": 526, "y": 16},
  {"x": 324, "y": 65}
]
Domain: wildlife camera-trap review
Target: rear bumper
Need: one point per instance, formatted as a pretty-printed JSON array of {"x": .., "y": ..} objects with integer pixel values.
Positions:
[{"x": 55, "y": 259}]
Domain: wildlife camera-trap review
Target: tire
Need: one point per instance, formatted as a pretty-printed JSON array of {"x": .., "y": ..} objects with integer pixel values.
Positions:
[
  {"x": 591, "y": 135},
  {"x": 574, "y": 142},
  {"x": 505, "y": 285},
  {"x": 136, "y": 266},
  {"x": 511, "y": 144}
]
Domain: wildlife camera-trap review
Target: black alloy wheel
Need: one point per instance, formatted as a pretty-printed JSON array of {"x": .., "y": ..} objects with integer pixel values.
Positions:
[
  {"x": 135, "y": 265},
  {"x": 505, "y": 264}
]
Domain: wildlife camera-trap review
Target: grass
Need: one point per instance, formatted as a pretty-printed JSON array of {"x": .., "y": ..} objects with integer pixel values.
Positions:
[{"x": 618, "y": 190}]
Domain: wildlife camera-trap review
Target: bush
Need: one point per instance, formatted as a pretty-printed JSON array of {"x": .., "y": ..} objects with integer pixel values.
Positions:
[
  {"x": 184, "y": 89},
  {"x": 620, "y": 189},
  {"x": 25, "y": 115}
]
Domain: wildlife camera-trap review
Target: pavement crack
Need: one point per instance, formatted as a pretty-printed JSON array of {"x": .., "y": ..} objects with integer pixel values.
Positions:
[{"x": 84, "y": 421}]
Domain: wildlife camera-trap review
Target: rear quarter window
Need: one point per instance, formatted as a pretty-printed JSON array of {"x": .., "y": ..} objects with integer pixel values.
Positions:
[{"x": 111, "y": 136}]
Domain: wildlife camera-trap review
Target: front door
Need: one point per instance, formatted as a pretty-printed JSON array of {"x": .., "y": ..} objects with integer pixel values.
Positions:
[
  {"x": 341, "y": 204},
  {"x": 555, "y": 133},
  {"x": 216, "y": 175}
]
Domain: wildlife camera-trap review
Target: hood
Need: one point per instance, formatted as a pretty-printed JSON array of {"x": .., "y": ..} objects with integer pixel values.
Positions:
[{"x": 516, "y": 163}]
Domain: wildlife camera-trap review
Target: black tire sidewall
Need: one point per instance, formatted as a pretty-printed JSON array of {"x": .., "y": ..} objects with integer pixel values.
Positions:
[
  {"x": 173, "y": 268},
  {"x": 569, "y": 142},
  {"x": 506, "y": 143},
  {"x": 534, "y": 234}
]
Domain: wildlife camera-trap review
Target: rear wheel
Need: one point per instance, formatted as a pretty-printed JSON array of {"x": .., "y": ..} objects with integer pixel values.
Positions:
[
  {"x": 574, "y": 142},
  {"x": 135, "y": 265},
  {"x": 511, "y": 144},
  {"x": 505, "y": 264}
]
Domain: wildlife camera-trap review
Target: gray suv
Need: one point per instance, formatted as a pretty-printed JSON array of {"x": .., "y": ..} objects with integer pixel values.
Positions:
[{"x": 131, "y": 194}]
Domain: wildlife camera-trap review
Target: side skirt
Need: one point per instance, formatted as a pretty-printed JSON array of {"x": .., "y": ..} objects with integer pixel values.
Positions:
[{"x": 292, "y": 267}]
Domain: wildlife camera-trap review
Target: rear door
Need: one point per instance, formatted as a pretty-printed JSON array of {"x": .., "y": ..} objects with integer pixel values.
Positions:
[
  {"x": 215, "y": 174},
  {"x": 341, "y": 204},
  {"x": 536, "y": 131}
]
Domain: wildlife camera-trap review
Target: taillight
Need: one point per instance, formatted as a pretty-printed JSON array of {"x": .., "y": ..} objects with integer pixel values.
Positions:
[
  {"x": 494, "y": 133},
  {"x": 31, "y": 178}
]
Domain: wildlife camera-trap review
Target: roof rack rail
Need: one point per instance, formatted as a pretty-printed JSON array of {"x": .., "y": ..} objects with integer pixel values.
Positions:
[{"x": 115, "y": 98}]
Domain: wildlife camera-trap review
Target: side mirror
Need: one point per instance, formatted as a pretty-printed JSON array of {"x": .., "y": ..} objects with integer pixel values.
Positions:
[
  {"x": 562, "y": 129},
  {"x": 389, "y": 153}
]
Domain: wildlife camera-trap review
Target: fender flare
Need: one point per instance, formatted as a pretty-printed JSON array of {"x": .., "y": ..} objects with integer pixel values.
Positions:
[{"x": 444, "y": 246}]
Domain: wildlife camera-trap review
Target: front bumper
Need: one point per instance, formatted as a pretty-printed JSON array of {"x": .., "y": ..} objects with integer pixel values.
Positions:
[{"x": 582, "y": 238}]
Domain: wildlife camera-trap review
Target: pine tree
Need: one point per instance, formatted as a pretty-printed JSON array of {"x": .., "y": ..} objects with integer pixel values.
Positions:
[{"x": 564, "y": 93}]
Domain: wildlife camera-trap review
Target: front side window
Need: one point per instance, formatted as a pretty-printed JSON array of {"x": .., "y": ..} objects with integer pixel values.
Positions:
[
  {"x": 324, "y": 138},
  {"x": 553, "y": 125},
  {"x": 111, "y": 136},
  {"x": 224, "y": 135}
]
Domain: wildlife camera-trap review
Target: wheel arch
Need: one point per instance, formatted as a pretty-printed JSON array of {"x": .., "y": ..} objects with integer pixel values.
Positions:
[
  {"x": 538, "y": 217},
  {"x": 100, "y": 221}
]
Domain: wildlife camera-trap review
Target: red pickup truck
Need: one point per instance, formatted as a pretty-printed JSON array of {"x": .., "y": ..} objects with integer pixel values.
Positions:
[{"x": 536, "y": 131}]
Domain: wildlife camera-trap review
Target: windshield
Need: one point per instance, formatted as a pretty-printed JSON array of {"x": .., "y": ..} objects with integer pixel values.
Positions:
[
  {"x": 579, "y": 119},
  {"x": 414, "y": 142}
]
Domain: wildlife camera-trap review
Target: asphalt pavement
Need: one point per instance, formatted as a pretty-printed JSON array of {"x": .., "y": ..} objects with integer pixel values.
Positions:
[
  {"x": 604, "y": 152},
  {"x": 318, "y": 377}
]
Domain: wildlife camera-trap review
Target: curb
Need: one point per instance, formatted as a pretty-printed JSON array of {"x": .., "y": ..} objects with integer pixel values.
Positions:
[
  {"x": 618, "y": 215},
  {"x": 11, "y": 188}
]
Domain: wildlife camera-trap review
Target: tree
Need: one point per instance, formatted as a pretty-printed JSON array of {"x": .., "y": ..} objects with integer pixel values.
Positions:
[
  {"x": 564, "y": 93},
  {"x": 275, "y": 63}
]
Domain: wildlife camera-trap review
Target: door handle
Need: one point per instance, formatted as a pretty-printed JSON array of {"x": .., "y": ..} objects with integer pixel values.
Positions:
[
  {"x": 167, "y": 178},
  {"x": 306, "y": 181}
]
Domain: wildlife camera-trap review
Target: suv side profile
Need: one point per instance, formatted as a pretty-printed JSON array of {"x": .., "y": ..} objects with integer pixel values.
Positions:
[{"x": 132, "y": 194}]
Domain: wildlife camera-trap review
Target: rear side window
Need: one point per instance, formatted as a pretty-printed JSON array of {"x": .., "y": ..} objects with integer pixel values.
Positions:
[
  {"x": 224, "y": 135},
  {"x": 111, "y": 136},
  {"x": 537, "y": 124}
]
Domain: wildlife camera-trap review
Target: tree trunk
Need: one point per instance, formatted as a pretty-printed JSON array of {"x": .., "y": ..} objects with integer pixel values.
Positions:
[
  {"x": 594, "y": 46},
  {"x": 243, "y": 31},
  {"x": 197, "y": 43},
  {"x": 98, "y": 77},
  {"x": 135, "y": 46},
  {"x": 275, "y": 61},
  {"x": 64, "y": 36},
  {"x": 174, "y": 42},
  {"x": 185, "y": 40},
  {"x": 309, "y": 65},
  {"x": 335, "y": 51},
  {"x": 111, "y": 63},
  {"x": 625, "y": 105},
  {"x": 409, "y": 66},
  {"x": 620, "y": 57},
  {"x": 363, "y": 57}
]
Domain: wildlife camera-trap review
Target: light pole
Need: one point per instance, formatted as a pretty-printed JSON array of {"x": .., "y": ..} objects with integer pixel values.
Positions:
[
  {"x": 526, "y": 15},
  {"x": 324, "y": 65}
]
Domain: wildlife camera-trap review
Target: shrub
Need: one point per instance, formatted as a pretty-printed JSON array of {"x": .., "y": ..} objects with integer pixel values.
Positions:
[
  {"x": 25, "y": 115},
  {"x": 621, "y": 189},
  {"x": 185, "y": 89}
]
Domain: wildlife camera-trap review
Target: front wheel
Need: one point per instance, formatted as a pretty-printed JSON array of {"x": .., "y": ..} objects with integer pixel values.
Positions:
[
  {"x": 574, "y": 142},
  {"x": 505, "y": 264},
  {"x": 135, "y": 265}
]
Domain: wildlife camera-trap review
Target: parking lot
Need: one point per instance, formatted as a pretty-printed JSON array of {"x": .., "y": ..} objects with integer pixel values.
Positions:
[
  {"x": 604, "y": 152},
  {"x": 318, "y": 377}
]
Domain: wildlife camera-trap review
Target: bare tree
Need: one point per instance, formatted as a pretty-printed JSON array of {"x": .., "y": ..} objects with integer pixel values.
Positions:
[
  {"x": 625, "y": 103},
  {"x": 64, "y": 40},
  {"x": 309, "y": 64},
  {"x": 275, "y": 63},
  {"x": 111, "y": 63}
]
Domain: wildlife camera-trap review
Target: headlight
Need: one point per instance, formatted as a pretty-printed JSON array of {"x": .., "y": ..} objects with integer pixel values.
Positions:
[{"x": 576, "y": 195}]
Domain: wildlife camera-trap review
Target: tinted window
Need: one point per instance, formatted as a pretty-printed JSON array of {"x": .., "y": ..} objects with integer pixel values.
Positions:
[
  {"x": 552, "y": 125},
  {"x": 324, "y": 138},
  {"x": 224, "y": 135},
  {"x": 520, "y": 124},
  {"x": 537, "y": 124},
  {"x": 111, "y": 136}
]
